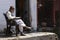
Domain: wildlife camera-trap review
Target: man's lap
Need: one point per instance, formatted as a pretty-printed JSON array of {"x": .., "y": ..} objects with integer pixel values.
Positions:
[{"x": 20, "y": 22}]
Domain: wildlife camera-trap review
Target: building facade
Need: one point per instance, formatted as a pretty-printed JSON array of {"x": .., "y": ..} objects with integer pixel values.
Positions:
[
  {"x": 35, "y": 12},
  {"x": 38, "y": 11}
]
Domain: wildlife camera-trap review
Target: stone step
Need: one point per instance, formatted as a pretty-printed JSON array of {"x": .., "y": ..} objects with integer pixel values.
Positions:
[{"x": 34, "y": 36}]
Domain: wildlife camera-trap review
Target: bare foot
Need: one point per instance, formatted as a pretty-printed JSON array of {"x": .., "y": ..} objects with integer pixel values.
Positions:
[{"x": 28, "y": 27}]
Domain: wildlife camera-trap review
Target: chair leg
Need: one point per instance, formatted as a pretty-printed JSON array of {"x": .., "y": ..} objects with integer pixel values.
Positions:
[
  {"x": 8, "y": 32},
  {"x": 17, "y": 30},
  {"x": 9, "y": 29}
]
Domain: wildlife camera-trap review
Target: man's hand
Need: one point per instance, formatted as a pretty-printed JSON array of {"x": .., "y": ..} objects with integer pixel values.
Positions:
[{"x": 18, "y": 17}]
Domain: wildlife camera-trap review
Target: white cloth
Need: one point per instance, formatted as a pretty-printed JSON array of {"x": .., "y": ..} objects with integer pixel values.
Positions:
[
  {"x": 9, "y": 15},
  {"x": 18, "y": 21}
]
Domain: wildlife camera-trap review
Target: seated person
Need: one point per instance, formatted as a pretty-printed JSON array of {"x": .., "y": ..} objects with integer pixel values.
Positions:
[{"x": 17, "y": 20}]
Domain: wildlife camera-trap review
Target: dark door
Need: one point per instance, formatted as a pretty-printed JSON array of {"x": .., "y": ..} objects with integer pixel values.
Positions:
[
  {"x": 22, "y": 10},
  {"x": 45, "y": 11}
]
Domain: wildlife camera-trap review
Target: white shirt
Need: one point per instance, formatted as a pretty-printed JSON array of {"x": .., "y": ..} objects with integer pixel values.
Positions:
[{"x": 10, "y": 16}]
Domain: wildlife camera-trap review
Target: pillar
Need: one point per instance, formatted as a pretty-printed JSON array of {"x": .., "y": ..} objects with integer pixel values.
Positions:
[{"x": 33, "y": 12}]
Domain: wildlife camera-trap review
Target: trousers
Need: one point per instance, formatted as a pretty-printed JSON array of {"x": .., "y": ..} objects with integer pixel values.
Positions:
[{"x": 20, "y": 23}]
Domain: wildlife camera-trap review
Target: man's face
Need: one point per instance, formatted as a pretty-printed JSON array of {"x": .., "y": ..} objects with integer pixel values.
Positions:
[{"x": 12, "y": 10}]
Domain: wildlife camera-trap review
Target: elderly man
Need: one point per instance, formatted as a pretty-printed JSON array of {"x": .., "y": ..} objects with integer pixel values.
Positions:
[{"x": 18, "y": 20}]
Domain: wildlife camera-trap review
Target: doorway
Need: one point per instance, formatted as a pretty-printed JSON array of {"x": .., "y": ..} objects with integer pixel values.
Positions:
[
  {"x": 45, "y": 12},
  {"x": 22, "y": 10}
]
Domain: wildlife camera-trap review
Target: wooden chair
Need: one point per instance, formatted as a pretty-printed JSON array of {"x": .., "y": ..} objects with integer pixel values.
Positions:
[{"x": 9, "y": 24}]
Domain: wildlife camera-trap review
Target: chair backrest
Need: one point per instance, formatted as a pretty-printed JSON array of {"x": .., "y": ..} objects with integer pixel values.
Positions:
[
  {"x": 7, "y": 20},
  {"x": 6, "y": 17}
]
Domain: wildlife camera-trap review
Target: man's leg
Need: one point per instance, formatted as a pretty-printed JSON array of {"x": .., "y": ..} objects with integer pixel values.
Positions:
[
  {"x": 21, "y": 23},
  {"x": 21, "y": 30},
  {"x": 17, "y": 30},
  {"x": 28, "y": 27}
]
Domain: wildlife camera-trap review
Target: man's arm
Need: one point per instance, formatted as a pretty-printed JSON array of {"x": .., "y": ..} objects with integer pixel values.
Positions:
[
  {"x": 9, "y": 15},
  {"x": 12, "y": 17},
  {"x": 18, "y": 17}
]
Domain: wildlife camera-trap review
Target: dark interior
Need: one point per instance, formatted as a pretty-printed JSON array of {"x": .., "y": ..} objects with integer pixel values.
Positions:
[
  {"x": 45, "y": 12},
  {"x": 22, "y": 10}
]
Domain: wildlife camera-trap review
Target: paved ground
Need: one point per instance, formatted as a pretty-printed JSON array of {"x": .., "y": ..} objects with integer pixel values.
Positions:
[{"x": 33, "y": 36}]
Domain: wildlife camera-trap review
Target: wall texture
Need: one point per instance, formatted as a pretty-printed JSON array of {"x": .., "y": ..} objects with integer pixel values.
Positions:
[
  {"x": 4, "y": 6},
  {"x": 33, "y": 11}
]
